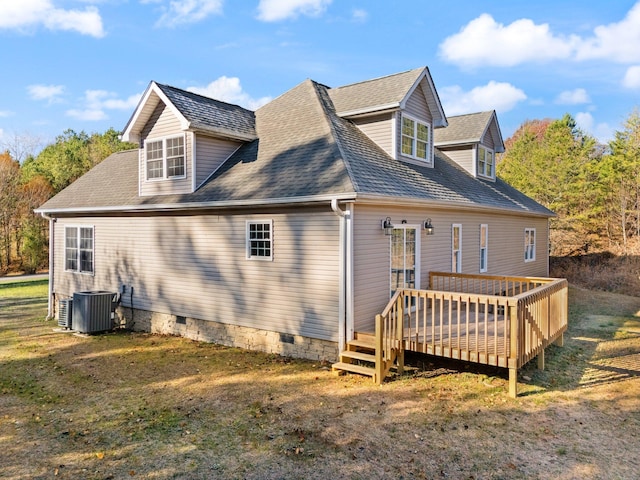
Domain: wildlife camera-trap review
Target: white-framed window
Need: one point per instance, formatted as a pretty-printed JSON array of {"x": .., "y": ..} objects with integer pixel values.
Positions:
[
  {"x": 484, "y": 247},
  {"x": 415, "y": 139},
  {"x": 486, "y": 162},
  {"x": 260, "y": 240},
  {"x": 78, "y": 249},
  {"x": 456, "y": 248},
  {"x": 165, "y": 158},
  {"x": 529, "y": 244}
]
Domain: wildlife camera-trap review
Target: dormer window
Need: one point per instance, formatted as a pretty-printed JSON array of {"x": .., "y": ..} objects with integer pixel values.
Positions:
[
  {"x": 415, "y": 139},
  {"x": 165, "y": 158},
  {"x": 486, "y": 162}
]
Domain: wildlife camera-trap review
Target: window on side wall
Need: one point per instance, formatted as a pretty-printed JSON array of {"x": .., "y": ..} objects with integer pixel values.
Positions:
[
  {"x": 260, "y": 240},
  {"x": 529, "y": 244},
  {"x": 165, "y": 158},
  {"x": 486, "y": 162},
  {"x": 484, "y": 247},
  {"x": 416, "y": 139},
  {"x": 79, "y": 249},
  {"x": 456, "y": 248}
]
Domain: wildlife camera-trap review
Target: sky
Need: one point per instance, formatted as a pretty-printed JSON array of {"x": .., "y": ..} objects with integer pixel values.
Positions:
[{"x": 84, "y": 64}]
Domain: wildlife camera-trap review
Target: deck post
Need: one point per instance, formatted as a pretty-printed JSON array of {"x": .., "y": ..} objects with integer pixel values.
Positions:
[
  {"x": 513, "y": 382},
  {"x": 400, "y": 333},
  {"x": 560, "y": 340},
  {"x": 379, "y": 347}
]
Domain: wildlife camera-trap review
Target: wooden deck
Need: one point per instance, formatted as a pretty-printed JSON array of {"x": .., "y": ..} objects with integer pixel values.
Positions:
[{"x": 499, "y": 321}]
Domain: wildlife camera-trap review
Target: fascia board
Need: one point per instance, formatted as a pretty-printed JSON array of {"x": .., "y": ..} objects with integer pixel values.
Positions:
[
  {"x": 201, "y": 205},
  {"x": 131, "y": 132}
]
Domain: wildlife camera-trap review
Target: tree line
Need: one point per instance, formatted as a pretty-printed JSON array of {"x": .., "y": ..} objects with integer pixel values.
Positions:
[
  {"x": 593, "y": 188},
  {"x": 27, "y": 181}
]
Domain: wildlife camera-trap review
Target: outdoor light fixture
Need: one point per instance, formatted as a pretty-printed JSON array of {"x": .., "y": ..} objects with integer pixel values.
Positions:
[
  {"x": 387, "y": 226},
  {"x": 428, "y": 228}
]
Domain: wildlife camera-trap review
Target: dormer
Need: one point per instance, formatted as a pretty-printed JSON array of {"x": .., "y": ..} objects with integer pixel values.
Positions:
[
  {"x": 183, "y": 138},
  {"x": 398, "y": 112},
  {"x": 473, "y": 141}
]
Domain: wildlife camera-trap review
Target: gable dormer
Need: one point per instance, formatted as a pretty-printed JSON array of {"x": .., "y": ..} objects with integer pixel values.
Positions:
[
  {"x": 398, "y": 112},
  {"x": 472, "y": 141},
  {"x": 183, "y": 138}
]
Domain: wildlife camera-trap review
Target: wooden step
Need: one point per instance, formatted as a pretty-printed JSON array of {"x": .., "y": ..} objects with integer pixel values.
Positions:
[
  {"x": 365, "y": 357},
  {"x": 352, "y": 344},
  {"x": 350, "y": 367}
]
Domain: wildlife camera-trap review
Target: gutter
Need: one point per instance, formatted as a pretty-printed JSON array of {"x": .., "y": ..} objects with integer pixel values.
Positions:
[
  {"x": 169, "y": 207},
  {"x": 52, "y": 222}
]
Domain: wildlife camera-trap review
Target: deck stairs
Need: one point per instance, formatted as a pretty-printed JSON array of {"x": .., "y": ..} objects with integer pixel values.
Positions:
[{"x": 360, "y": 357}]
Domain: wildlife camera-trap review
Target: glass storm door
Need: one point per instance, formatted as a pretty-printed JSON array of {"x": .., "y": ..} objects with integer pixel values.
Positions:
[{"x": 405, "y": 253}]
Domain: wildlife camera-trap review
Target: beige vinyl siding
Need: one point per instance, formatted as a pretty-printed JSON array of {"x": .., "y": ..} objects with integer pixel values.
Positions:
[
  {"x": 464, "y": 156},
  {"x": 164, "y": 123},
  {"x": 417, "y": 107},
  {"x": 379, "y": 129},
  {"x": 488, "y": 140},
  {"x": 372, "y": 250},
  {"x": 210, "y": 154},
  {"x": 196, "y": 266}
]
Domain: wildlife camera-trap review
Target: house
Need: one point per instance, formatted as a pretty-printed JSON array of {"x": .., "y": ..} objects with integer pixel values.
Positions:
[{"x": 289, "y": 229}]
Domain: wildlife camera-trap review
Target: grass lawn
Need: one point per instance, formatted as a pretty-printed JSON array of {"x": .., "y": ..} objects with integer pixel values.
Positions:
[{"x": 131, "y": 405}]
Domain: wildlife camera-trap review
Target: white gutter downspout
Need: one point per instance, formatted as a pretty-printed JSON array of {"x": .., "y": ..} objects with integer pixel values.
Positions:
[
  {"x": 345, "y": 282},
  {"x": 52, "y": 222}
]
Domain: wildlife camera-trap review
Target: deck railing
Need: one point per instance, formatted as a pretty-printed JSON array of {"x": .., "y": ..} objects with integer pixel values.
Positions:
[{"x": 501, "y": 321}]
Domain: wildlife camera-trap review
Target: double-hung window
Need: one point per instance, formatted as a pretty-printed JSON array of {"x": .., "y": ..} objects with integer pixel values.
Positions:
[
  {"x": 416, "y": 139},
  {"x": 78, "y": 249},
  {"x": 456, "y": 248},
  {"x": 260, "y": 240},
  {"x": 529, "y": 244},
  {"x": 486, "y": 167},
  {"x": 165, "y": 158},
  {"x": 484, "y": 244}
]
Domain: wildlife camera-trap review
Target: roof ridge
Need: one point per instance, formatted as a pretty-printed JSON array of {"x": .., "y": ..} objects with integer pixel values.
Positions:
[
  {"x": 205, "y": 97},
  {"x": 471, "y": 113},
  {"x": 326, "y": 104},
  {"x": 378, "y": 78}
]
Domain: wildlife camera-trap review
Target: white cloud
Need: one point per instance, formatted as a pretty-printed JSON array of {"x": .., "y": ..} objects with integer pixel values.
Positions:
[
  {"x": 181, "y": 12},
  {"x": 360, "y": 15},
  {"x": 228, "y": 89},
  {"x": 601, "y": 131},
  {"x": 632, "y": 77},
  {"x": 573, "y": 97},
  {"x": 616, "y": 42},
  {"x": 500, "y": 96},
  {"x": 5, "y": 113},
  {"x": 97, "y": 101},
  {"x": 484, "y": 41},
  {"x": 51, "y": 93},
  {"x": 274, "y": 10},
  {"x": 27, "y": 14}
]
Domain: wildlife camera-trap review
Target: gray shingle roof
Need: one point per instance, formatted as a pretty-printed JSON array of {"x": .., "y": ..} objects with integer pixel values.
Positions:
[
  {"x": 208, "y": 114},
  {"x": 389, "y": 90},
  {"x": 304, "y": 150},
  {"x": 463, "y": 129}
]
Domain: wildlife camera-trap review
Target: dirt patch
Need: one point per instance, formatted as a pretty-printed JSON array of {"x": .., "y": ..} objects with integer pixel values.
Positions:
[{"x": 125, "y": 405}]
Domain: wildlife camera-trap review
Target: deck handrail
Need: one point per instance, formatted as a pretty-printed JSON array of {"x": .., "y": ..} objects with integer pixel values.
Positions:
[{"x": 499, "y": 320}]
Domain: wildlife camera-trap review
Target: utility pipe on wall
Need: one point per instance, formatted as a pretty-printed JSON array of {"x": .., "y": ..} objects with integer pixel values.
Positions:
[
  {"x": 52, "y": 222},
  {"x": 345, "y": 283}
]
